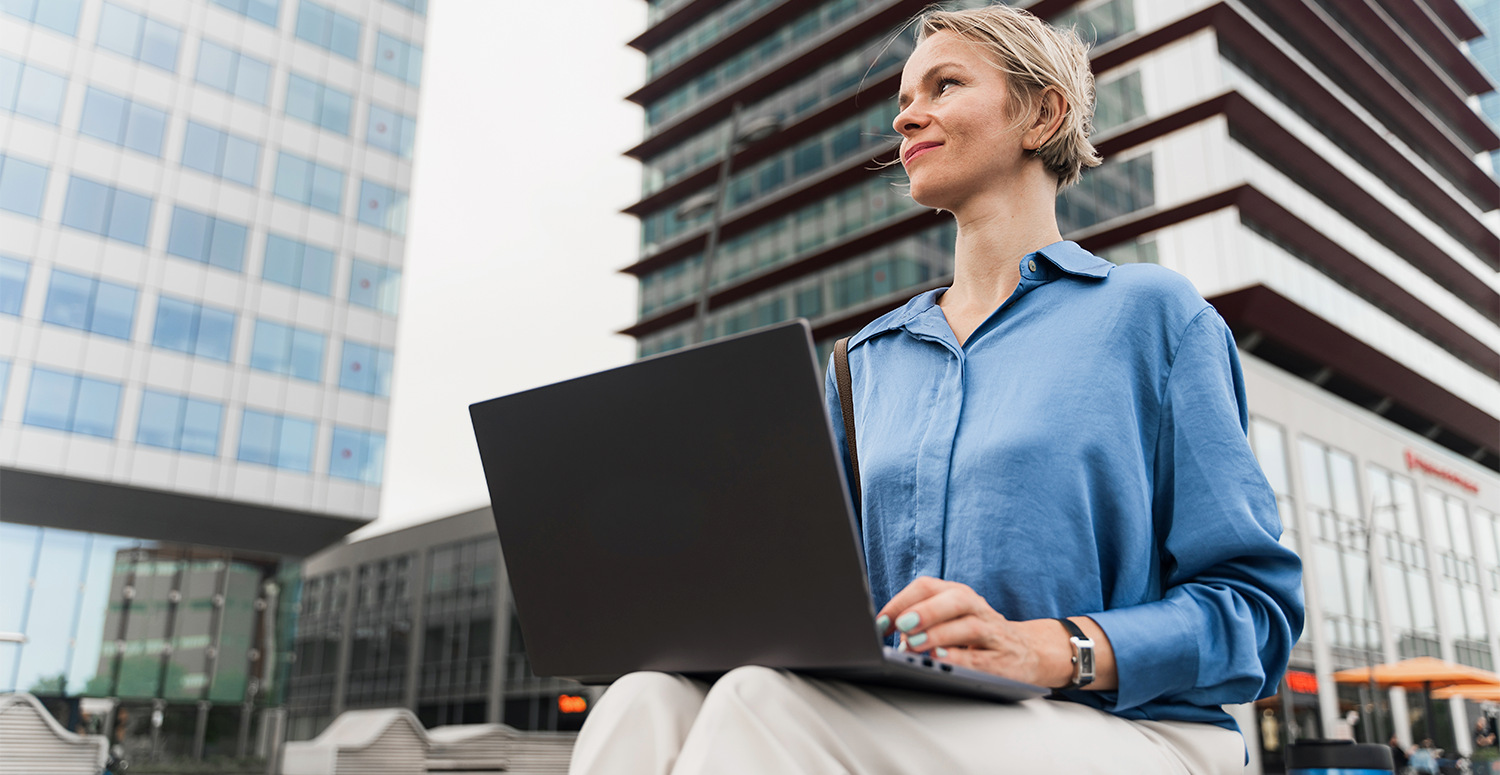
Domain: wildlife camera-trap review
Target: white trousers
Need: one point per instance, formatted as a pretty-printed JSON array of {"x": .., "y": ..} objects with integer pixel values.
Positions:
[{"x": 760, "y": 720}]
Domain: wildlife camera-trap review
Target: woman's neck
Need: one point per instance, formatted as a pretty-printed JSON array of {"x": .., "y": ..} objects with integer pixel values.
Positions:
[{"x": 994, "y": 233}]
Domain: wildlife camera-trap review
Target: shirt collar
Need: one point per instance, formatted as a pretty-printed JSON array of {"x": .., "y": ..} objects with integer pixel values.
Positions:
[{"x": 1067, "y": 256}]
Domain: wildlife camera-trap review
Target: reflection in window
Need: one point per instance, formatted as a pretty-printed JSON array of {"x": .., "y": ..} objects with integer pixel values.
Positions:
[
  {"x": 124, "y": 31},
  {"x": 68, "y": 402},
  {"x": 195, "y": 329},
  {"x": 277, "y": 441},
  {"x": 31, "y": 91},
  {"x": 263, "y": 11},
  {"x": 366, "y": 369},
  {"x": 392, "y": 131},
  {"x": 1340, "y": 547},
  {"x": 1141, "y": 251},
  {"x": 22, "y": 186},
  {"x": 1108, "y": 191},
  {"x": 381, "y": 207},
  {"x": 309, "y": 183},
  {"x": 1118, "y": 101},
  {"x": 179, "y": 422},
  {"x": 287, "y": 350},
  {"x": 1099, "y": 22},
  {"x": 220, "y": 154},
  {"x": 107, "y": 211},
  {"x": 230, "y": 71},
  {"x": 1408, "y": 588},
  {"x": 318, "y": 104},
  {"x": 396, "y": 57},
  {"x": 204, "y": 238},
  {"x": 357, "y": 455},
  {"x": 329, "y": 29},
  {"x": 1447, "y": 520},
  {"x": 90, "y": 305},
  {"x": 120, "y": 121},
  {"x": 57, "y": 15},
  {"x": 13, "y": 274},
  {"x": 376, "y": 287},
  {"x": 299, "y": 265}
]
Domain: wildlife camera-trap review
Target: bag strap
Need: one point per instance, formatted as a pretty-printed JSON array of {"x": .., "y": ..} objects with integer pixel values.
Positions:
[{"x": 846, "y": 406}]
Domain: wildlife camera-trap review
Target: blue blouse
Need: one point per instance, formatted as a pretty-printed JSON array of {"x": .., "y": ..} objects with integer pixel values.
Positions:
[{"x": 1083, "y": 453}]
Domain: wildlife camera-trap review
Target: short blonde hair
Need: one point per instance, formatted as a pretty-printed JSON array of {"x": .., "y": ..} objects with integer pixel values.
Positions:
[{"x": 1034, "y": 56}]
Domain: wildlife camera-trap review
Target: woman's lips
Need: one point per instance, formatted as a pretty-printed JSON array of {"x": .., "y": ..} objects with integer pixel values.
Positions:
[{"x": 918, "y": 150}]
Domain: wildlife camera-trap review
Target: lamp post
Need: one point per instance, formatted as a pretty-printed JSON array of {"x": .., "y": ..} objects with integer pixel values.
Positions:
[
  {"x": 1368, "y": 530},
  {"x": 739, "y": 137}
]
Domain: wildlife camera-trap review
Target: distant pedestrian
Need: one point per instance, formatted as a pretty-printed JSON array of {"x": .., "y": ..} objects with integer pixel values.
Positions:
[
  {"x": 1398, "y": 755},
  {"x": 1424, "y": 758}
]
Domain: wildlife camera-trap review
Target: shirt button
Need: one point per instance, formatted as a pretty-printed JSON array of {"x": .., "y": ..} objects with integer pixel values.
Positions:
[{"x": 1031, "y": 265}]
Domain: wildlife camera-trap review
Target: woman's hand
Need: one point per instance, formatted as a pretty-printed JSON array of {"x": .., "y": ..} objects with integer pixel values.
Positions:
[{"x": 957, "y": 625}]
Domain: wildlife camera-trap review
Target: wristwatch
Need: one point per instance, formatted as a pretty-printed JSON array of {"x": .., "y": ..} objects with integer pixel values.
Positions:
[{"x": 1083, "y": 656}]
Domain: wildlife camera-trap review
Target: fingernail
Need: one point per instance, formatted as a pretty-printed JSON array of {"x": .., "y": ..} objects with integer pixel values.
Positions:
[
  {"x": 917, "y": 640},
  {"x": 940, "y": 651},
  {"x": 908, "y": 621},
  {"x": 882, "y": 623}
]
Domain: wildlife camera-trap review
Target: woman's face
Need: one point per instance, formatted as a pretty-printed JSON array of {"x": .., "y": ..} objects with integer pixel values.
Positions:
[{"x": 959, "y": 139}]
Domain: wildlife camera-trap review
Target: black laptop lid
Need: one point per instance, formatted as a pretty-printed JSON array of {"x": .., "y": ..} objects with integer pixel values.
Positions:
[{"x": 684, "y": 513}]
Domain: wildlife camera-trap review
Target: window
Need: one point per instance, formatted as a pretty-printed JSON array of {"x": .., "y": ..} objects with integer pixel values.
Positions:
[
  {"x": 4, "y": 380},
  {"x": 124, "y": 31},
  {"x": 90, "y": 305},
  {"x": 214, "y": 241},
  {"x": 391, "y": 131},
  {"x": 329, "y": 29},
  {"x": 220, "y": 154},
  {"x": 396, "y": 57},
  {"x": 107, "y": 211},
  {"x": 1119, "y": 101},
  {"x": 12, "y": 284},
  {"x": 31, "y": 91},
  {"x": 230, "y": 71},
  {"x": 22, "y": 185},
  {"x": 1107, "y": 191},
  {"x": 382, "y": 207},
  {"x": 309, "y": 183},
  {"x": 286, "y": 350},
  {"x": 318, "y": 104},
  {"x": 68, "y": 402},
  {"x": 194, "y": 329},
  {"x": 120, "y": 121},
  {"x": 263, "y": 11},
  {"x": 298, "y": 264},
  {"x": 418, "y": 7},
  {"x": 357, "y": 455},
  {"x": 57, "y": 15},
  {"x": 366, "y": 369},
  {"x": 179, "y": 422},
  {"x": 277, "y": 441},
  {"x": 376, "y": 287}
]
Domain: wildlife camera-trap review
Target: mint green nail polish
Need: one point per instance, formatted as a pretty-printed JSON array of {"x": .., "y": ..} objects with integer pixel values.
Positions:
[
  {"x": 908, "y": 621},
  {"x": 882, "y": 623},
  {"x": 940, "y": 651},
  {"x": 917, "y": 640}
]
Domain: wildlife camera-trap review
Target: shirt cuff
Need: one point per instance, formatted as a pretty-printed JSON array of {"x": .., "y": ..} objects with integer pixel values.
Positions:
[{"x": 1155, "y": 648}]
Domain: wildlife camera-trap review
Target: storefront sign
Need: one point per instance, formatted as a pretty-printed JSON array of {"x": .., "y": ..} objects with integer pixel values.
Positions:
[
  {"x": 1414, "y": 462},
  {"x": 1301, "y": 683}
]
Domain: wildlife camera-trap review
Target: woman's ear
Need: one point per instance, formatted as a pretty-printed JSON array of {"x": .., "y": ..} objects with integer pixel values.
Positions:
[{"x": 1046, "y": 120}]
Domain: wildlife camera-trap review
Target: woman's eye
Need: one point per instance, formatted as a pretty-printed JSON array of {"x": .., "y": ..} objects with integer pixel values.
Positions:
[{"x": 944, "y": 84}]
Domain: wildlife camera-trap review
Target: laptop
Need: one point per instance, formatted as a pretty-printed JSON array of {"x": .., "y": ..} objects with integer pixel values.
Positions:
[{"x": 688, "y": 513}]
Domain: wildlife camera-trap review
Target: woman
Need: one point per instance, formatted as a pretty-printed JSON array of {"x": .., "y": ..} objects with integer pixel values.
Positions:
[{"x": 1051, "y": 436}]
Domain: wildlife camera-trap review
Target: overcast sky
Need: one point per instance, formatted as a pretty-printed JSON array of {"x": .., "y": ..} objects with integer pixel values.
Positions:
[{"x": 515, "y": 237}]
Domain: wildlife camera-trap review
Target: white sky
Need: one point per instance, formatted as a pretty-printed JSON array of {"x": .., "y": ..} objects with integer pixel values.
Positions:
[{"x": 515, "y": 235}]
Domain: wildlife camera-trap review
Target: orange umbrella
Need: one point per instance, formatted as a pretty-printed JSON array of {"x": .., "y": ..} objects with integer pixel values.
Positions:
[
  {"x": 1475, "y": 692},
  {"x": 1425, "y": 673}
]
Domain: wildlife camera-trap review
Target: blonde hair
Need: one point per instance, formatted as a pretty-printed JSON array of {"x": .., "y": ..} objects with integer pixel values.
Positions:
[{"x": 1034, "y": 56}]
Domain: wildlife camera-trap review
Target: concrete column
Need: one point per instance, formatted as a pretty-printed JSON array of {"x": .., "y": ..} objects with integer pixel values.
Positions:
[
  {"x": 499, "y": 647},
  {"x": 1402, "y": 716},
  {"x": 417, "y": 588},
  {"x": 1459, "y": 711},
  {"x": 346, "y": 642},
  {"x": 1328, "y": 696}
]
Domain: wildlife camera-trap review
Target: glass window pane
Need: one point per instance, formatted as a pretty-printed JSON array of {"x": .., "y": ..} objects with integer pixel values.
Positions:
[
  {"x": 1345, "y": 492},
  {"x": 145, "y": 129},
  {"x": 258, "y": 438},
  {"x": 215, "y": 334},
  {"x": 175, "y": 321},
  {"x": 159, "y": 45},
  {"x": 293, "y": 178},
  {"x": 227, "y": 245},
  {"x": 317, "y": 270},
  {"x": 104, "y": 116},
  {"x": 347, "y": 457},
  {"x": 59, "y": 15},
  {"x": 307, "y": 355},
  {"x": 1435, "y": 518},
  {"x": 98, "y": 405},
  {"x": 336, "y": 109},
  {"x": 189, "y": 234},
  {"x": 68, "y": 300},
  {"x": 302, "y": 98},
  {"x": 327, "y": 189},
  {"x": 22, "y": 185},
  {"x": 216, "y": 66},
  {"x": 283, "y": 260},
  {"x": 201, "y": 147},
  {"x": 40, "y": 95},
  {"x": 49, "y": 400},
  {"x": 114, "y": 310},
  {"x": 383, "y": 130},
  {"x": 129, "y": 217},
  {"x": 161, "y": 420},
  {"x": 241, "y": 157},
  {"x": 358, "y": 369},
  {"x": 263, "y": 11},
  {"x": 119, "y": 30},
  {"x": 345, "y": 38},
  {"x": 200, "y": 427},
  {"x": 364, "y": 284},
  {"x": 10, "y": 81},
  {"x": 295, "y": 448},
  {"x": 12, "y": 284},
  {"x": 1458, "y": 527},
  {"x": 312, "y": 23},
  {"x": 1315, "y": 473},
  {"x": 269, "y": 351},
  {"x": 251, "y": 79}
]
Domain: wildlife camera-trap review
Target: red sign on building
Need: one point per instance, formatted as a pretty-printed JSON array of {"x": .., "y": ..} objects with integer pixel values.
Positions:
[
  {"x": 1415, "y": 462},
  {"x": 1301, "y": 683}
]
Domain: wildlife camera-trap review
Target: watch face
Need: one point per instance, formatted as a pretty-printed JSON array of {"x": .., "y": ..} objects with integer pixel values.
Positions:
[{"x": 1086, "y": 662}]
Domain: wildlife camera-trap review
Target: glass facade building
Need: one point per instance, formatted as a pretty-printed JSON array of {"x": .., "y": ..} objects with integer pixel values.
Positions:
[
  {"x": 202, "y": 232},
  {"x": 1317, "y": 168}
]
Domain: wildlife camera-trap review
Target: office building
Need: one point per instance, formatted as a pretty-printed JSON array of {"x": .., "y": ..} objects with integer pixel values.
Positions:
[
  {"x": 1314, "y": 167},
  {"x": 202, "y": 230}
]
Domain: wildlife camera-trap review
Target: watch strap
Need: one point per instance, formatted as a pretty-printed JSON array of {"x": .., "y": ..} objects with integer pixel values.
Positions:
[{"x": 1083, "y": 655}]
